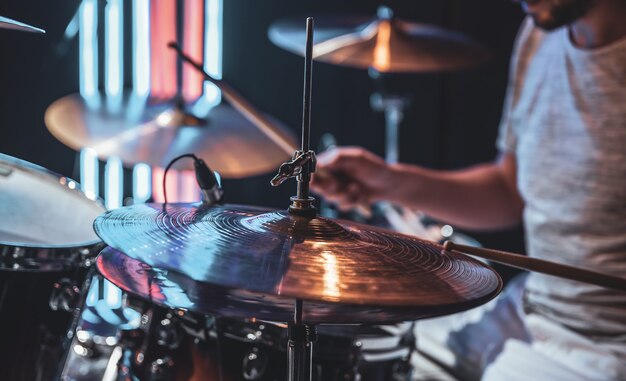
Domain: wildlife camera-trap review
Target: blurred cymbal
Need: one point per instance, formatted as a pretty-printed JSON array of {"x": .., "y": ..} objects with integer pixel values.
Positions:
[
  {"x": 7, "y": 23},
  {"x": 139, "y": 131},
  {"x": 262, "y": 260},
  {"x": 382, "y": 43}
]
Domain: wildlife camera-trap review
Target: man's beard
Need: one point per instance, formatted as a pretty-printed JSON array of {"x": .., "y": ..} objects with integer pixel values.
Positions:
[{"x": 562, "y": 12}]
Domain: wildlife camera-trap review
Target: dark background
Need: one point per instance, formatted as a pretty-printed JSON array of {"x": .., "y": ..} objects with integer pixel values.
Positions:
[{"x": 452, "y": 121}]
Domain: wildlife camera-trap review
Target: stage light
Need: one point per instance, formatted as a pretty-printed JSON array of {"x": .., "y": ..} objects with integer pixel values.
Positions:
[
  {"x": 142, "y": 178},
  {"x": 213, "y": 49},
  {"x": 141, "y": 47},
  {"x": 89, "y": 168},
  {"x": 114, "y": 49},
  {"x": 113, "y": 193},
  {"x": 88, "y": 50}
]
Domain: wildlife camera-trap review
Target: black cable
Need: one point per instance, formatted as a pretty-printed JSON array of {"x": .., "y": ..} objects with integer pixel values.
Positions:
[
  {"x": 174, "y": 160},
  {"x": 205, "y": 177}
]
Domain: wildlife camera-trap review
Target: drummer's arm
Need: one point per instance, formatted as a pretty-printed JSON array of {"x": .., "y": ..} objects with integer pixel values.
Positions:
[{"x": 480, "y": 197}]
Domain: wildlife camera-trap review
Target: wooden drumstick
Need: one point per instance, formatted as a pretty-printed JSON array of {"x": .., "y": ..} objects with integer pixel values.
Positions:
[
  {"x": 242, "y": 105},
  {"x": 540, "y": 265}
]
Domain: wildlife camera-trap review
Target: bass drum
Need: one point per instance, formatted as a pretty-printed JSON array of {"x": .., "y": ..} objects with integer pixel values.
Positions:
[{"x": 47, "y": 245}]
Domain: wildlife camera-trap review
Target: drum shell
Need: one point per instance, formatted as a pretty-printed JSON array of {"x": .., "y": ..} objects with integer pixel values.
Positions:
[
  {"x": 47, "y": 246},
  {"x": 247, "y": 350},
  {"x": 34, "y": 336}
]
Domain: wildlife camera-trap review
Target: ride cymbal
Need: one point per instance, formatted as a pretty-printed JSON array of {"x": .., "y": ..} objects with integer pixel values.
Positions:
[
  {"x": 260, "y": 259},
  {"x": 384, "y": 43},
  {"x": 139, "y": 131}
]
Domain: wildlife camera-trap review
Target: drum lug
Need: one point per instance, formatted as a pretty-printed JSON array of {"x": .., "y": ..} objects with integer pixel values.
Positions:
[
  {"x": 254, "y": 364},
  {"x": 162, "y": 369},
  {"x": 168, "y": 333},
  {"x": 65, "y": 295}
]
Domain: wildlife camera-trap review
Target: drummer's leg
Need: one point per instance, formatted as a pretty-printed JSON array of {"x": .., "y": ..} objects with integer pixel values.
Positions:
[
  {"x": 556, "y": 353},
  {"x": 461, "y": 346}
]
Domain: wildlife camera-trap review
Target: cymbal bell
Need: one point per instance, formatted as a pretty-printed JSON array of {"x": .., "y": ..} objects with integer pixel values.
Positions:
[
  {"x": 7, "y": 23},
  {"x": 154, "y": 132},
  {"x": 383, "y": 43},
  {"x": 271, "y": 258}
]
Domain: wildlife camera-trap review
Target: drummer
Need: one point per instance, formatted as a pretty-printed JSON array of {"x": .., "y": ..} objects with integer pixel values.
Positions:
[{"x": 561, "y": 170}]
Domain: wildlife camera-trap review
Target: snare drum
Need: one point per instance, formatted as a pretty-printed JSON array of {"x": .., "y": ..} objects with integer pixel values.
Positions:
[
  {"x": 176, "y": 345},
  {"x": 46, "y": 245},
  {"x": 258, "y": 351}
]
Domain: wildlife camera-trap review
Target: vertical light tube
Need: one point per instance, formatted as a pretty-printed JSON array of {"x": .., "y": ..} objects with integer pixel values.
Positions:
[
  {"x": 114, "y": 49},
  {"x": 88, "y": 49},
  {"x": 141, "y": 47},
  {"x": 112, "y": 295},
  {"x": 89, "y": 173},
  {"x": 72, "y": 28},
  {"x": 93, "y": 295},
  {"x": 213, "y": 49},
  {"x": 193, "y": 44},
  {"x": 142, "y": 183},
  {"x": 113, "y": 187},
  {"x": 163, "y": 81}
]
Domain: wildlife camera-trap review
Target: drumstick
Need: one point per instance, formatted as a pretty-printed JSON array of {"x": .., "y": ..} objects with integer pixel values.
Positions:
[
  {"x": 242, "y": 105},
  {"x": 540, "y": 265}
]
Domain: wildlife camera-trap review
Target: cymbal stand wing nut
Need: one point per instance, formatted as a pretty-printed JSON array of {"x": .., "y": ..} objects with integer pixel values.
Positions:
[
  {"x": 302, "y": 163},
  {"x": 301, "y": 166}
]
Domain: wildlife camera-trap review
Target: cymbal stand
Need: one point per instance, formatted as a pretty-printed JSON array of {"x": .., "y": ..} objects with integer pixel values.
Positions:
[
  {"x": 301, "y": 336},
  {"x": 303, "y": 162},
  {"x": 300, "y": 347},
  {"x": 393, "y": 107}
]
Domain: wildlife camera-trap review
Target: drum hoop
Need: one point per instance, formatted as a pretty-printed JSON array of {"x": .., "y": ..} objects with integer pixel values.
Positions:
[{"x": 34, "y": 250}]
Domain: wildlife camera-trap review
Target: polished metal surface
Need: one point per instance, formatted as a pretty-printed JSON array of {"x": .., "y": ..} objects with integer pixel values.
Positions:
[
  {"x": 171, "y": 289},
  {"x": 383, "y": 43},
  {"x": 246, "y": 260},
  {"x": 7, "y": 23},
  {"x": 145, "y": 131},
  {"x": 45, "y": 220}
]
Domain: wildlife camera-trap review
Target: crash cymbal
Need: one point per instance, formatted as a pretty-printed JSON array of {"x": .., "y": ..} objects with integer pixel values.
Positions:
[
  {"x": 150, "y": 132},
  {"x": 383, "y": 43},
  {"x": 7, "y": 23},
  {"x": 270, "y": 258}
]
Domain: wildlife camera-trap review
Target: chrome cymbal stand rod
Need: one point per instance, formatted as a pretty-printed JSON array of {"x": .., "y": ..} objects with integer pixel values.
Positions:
[
  {"x": 303, "y": 162},
  {"x": 300, "y": 347},
  {"x": 301, "y": 336},
  {"x": 303, "y": 180},
  {"x": 393, "y": 107}
]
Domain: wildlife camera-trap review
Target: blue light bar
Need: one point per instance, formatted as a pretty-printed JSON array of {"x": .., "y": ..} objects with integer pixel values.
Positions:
[
  {"x": 113, "y": 187},
  {"x": 141, "y": 47},
  {"x": 88, "y": 49},
  {"x": 114, "y": 48}
]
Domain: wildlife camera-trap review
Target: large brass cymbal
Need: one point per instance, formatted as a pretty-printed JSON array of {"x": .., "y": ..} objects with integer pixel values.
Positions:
[
  {"x": 146, "y": 131},
  {"x": 7, "y": 23},
  {"x": 263, "y": 260},
  {"x": 383, "y": 43}
]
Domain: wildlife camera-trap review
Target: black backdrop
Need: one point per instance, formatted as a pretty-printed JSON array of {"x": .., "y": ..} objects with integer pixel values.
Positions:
[{"x": 452, "y": 121}]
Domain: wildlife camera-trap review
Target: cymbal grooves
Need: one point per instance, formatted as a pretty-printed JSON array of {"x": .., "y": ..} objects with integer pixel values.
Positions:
[{"x": 275, "y": 253}]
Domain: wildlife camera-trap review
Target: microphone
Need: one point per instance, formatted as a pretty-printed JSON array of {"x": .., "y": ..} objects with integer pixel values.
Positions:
[{"x": 212, "y": 192}]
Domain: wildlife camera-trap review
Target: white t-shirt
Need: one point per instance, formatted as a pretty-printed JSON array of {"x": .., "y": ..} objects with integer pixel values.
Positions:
[{"x": 565, "y": 121}]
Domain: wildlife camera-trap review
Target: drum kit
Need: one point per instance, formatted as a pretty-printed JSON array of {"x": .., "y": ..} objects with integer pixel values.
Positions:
[{"x": 217, "y": 291}]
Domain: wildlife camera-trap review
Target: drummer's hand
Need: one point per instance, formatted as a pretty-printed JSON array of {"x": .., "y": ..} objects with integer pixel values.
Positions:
[{"x": 351, "y": 177}]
